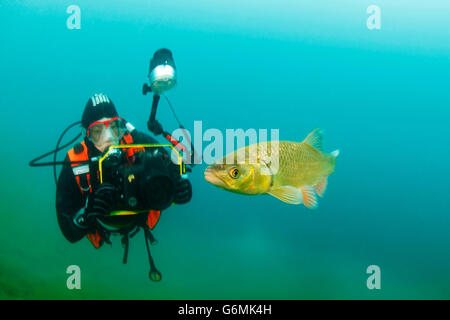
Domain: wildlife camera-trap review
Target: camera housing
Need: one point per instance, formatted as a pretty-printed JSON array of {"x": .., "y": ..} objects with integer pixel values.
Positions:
[{"x": 148, "y": 183}]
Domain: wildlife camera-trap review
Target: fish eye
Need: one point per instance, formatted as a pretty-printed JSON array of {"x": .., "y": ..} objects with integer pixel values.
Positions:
[{"x": 234, "y": 173}]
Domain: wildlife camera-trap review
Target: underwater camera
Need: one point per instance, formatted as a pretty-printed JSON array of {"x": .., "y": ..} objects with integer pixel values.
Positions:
[
  {"x": 147, "y": 184},
  {"x": 162, "y": 72}
]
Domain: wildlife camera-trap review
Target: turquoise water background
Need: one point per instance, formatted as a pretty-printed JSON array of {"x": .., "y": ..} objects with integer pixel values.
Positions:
[{"x": 382, "y": 97}]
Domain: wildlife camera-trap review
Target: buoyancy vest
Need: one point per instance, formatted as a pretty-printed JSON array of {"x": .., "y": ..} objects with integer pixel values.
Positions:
[{"x": 84, "y": 180}]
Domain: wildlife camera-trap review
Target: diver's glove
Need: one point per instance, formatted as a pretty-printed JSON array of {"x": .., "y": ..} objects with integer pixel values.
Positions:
[
  {"x": 100, "y": 203},
  {"x": 183, "y": 191}
]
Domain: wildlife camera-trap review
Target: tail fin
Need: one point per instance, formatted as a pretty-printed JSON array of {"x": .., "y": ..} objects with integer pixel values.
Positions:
[{"x": 335, "y": 153}]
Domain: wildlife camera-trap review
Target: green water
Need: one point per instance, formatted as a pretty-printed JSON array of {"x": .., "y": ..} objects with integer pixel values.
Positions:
[{"x": 382, "y": 97}]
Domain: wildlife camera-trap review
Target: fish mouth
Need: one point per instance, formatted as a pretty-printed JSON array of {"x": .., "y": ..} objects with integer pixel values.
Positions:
[{"x": 212, "y": 178}]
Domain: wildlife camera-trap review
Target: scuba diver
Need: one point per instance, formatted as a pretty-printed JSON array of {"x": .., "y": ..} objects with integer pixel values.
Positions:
[
  {"x": 118, "y": 180},
  {"x": 81, "y": 201},
  {"x": 83, "y": 204}
]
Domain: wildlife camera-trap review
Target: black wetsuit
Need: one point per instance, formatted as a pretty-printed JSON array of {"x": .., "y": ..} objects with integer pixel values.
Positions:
[{"x": 70, "y": 200}]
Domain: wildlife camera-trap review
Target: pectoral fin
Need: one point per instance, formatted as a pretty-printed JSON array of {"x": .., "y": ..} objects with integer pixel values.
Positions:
[
  {"x": 309, "y": 197},
  {"x": 287, "y": 194}
]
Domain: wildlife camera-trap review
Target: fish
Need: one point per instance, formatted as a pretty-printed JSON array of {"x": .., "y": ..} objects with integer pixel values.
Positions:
[{"x": 298, "y": 176}]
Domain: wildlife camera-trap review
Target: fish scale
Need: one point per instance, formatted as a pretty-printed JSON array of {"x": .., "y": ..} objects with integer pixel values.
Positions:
[{"x": 299, "y": 163}]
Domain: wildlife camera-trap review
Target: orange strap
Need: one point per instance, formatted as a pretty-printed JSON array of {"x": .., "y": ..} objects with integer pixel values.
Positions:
[
  {"x": 153, "y": 218},
  {"x": 88, "y": 176},
  {"x": 95, "y": 239},
  {"x": 82, "y": 156}
]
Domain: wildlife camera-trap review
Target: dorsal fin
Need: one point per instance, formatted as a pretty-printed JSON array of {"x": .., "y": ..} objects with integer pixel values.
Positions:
[{"x": 315, "y": 139}]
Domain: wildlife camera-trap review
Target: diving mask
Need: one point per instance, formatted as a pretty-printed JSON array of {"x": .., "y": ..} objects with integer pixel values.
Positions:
[{"x": 106, "y": 132}]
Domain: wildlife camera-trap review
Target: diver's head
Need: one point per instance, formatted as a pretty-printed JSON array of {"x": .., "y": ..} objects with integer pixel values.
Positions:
[{"x": 103, "y": 125}]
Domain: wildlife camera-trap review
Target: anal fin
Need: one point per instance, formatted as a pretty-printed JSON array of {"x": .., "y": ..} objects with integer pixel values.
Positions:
[{"x": 287, "y": 194}]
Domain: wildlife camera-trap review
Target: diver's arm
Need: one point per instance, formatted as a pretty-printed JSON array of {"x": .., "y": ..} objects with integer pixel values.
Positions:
[{"x": 69, "y": 205}]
